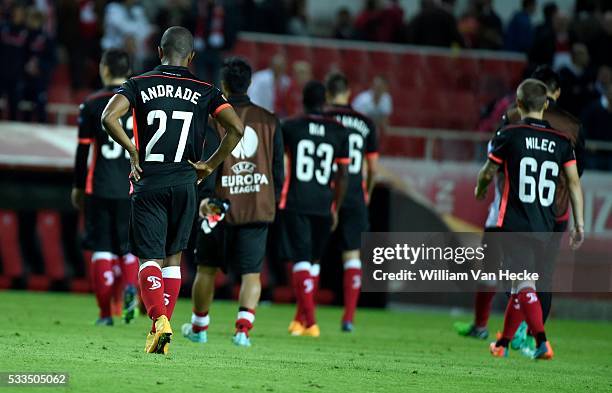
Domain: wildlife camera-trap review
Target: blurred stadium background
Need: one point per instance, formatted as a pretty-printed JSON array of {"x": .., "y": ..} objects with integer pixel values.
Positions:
[{"x": 435, "y": 74}]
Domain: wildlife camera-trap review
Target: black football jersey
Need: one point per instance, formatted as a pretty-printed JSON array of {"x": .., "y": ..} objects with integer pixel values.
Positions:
[
  {"x": 363, "y": 143},
  {"x": 170, "y": 109},
  {"x": 313, "y": 143},
  {"x": 109, "y": 167},
  {"x": 532, "y": 156}
]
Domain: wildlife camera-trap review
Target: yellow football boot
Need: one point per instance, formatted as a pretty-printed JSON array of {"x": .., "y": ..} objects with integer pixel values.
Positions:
[{"x": 159, "y": 341}]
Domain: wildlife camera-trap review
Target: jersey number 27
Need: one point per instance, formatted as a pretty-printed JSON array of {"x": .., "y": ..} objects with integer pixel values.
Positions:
[{"x": 160, "y": 115}]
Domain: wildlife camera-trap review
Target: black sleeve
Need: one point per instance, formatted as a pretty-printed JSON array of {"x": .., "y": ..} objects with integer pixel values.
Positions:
[
  {"x": 498, "y": 147},
  {"x": 580, "y": 150},
  {"x": 206, "y": 189},
  {"x": 278, "y": 161},
  {"x": 129, "y": 90},
  {"x": 217, "y": 103},
  {"x": 372, "y": 139},
  {"x": 86, "y": 136}
]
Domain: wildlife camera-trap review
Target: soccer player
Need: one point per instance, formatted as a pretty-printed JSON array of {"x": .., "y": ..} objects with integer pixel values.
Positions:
[
  {"x": 353, "y": 216},
  {"x": 170, "y": 109},
  {"x": 571, "y": 127},
  {"x": 309, "y": 202},
  {"x": 251, "y": 180},
  {"x": 102, "y": 189},
  {"x": 532, "y": 155}
]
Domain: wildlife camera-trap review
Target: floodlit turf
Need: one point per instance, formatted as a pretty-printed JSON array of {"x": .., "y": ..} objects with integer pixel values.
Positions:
[{"x": 389, "y": 352}]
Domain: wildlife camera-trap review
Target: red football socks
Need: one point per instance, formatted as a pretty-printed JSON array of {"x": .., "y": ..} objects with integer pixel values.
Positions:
[
  {"x": 482, "y": 307},
  {"x": 152, "y": 289},
  {"x": 102, "y": 280},
  {"x": 245, "y": 320},
  {"x": 532, "y": 313},
  {"x": 172, "y": 286},
  {"x": 129, "y": 269},
  {"x": 303, "y": 285},
  {"x": 512, "y": 319},
  {"x": 352, "y": 287},
  {"x": 199, "y": 321}
]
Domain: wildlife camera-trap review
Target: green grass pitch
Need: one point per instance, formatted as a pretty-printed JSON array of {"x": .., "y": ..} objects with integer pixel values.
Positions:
[{"x": 389, "y": 352}]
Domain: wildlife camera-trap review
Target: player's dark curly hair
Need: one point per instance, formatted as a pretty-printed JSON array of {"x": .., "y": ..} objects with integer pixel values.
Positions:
[
  {"x": 314, "y": 95},
  {"x": 117, "y": 61},
  {"x": 548, "y": 76},
  {"x": 336, "y": 83},
  {"x": 236, "y": 73}
]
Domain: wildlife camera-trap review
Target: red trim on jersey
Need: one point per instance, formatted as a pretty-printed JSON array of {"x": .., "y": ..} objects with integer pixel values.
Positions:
[
  {"x": 86, "y": 141},
  {"x": 570, "y": 163},
  {"x": 90, "y": 172},
  {"x": 372, "y": 155},
  {"x": 495, "y": 159},
  {"x": 135, "y": 128},
  {"x": 559, "y": 133},
  {"x": 564, "y": 217},
  {"x": 220, "y": 108},
  {"x": 285, "y": 190},
  {"x": 364, "y": 186},
  {"x": 504, "y": 202},
  {"x": 172, "y": 77},
  {"x": 342, "y": 160},
  {"x": 131, "y": 187}
]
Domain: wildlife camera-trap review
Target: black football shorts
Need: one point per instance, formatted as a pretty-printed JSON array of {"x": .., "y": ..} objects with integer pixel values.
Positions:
[
  {"x": 236, "y": 248},
  {"x": 352, "y": 222},
  {"x": 161, "y": 221},
  {"x": 303, "y": 237},
  {"x": 106, "y": 224}
]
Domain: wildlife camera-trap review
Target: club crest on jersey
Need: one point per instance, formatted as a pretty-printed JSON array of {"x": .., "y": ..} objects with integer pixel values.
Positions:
[{"x": 155, "y": 282}]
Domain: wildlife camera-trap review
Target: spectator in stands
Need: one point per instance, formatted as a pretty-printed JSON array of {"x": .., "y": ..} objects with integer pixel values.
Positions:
[
  {"x": 549, "y": 11},
  {"x": 343, "y": 26},
  {"x": 481, "y": 27},
  {"x": 552, "y": 45},
  {"x": 302, "y": 74},
  {"x": 597, "y": 121},
  {"x": 375, "y": 102},
  {"x": 39, "y": 65},
  {"x": 577, "y": 81},
  {"x": 604, "y": 78},
  {"x": 126, "y": 26},
  {"x": 215, "y": 31},
  {"x": 368, "y": 20},
  {"x": 601, "y": 44},
  {"x": 434, "y": 25},
  {"x": 269, "y": 86},
  {"x": 13, "y": 52},
  {"x": 520, "y": 32},
  {"x": 298, "y": 18}
]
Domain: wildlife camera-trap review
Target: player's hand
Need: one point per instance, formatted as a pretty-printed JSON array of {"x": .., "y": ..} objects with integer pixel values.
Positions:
[
  {"x": 576, "y": 237},
  {"x": 204, "y": 170},
  {"x": 135, "y": 165},
  {"x": 207, "y": 208},
  {"x": 77, "y": 196},
  {"x": 334, "y": 221},
  {"x": 480, "y": 194}
]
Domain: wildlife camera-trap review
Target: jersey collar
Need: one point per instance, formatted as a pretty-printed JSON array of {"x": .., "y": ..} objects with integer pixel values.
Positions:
[
  {"x": 536, "y": 123},
  {"x": 174, "y": 70}
]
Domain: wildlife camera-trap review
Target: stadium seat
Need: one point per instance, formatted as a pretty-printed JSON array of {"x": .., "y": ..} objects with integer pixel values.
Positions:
[
  {"x": 246, "y": 49},
  {"x": 49, "y": 229},
  {"x": 10, "y": 249},
  {"x": 265, "y": 52},
  {"x": 355, "y": 64},
  {"x": 298, "y": 52},
  {"x": 324, "y": 60}
]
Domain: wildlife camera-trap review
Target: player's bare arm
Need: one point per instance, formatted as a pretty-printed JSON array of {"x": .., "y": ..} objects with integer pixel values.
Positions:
[
  {"x": 117, "y": 107},
  {"x": 577, "y": 201},
  {"x": 485, "y": 176},
  {"x": 234, "y": 131},
  {"x": 341, "y": 182}
]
